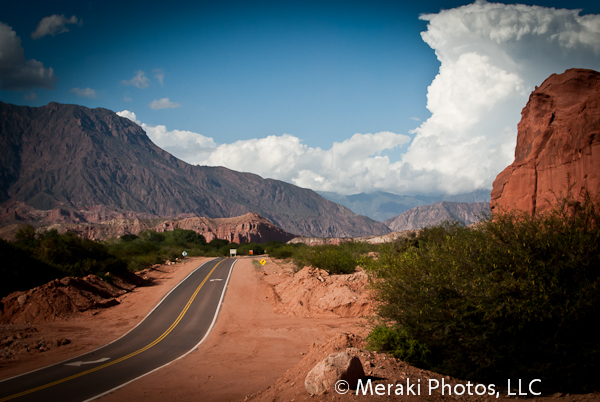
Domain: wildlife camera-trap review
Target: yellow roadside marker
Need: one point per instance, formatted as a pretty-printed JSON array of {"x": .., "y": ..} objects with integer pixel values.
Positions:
[{"x": 263, "y": 262}]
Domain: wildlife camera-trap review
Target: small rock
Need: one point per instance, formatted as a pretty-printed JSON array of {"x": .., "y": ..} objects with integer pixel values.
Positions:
[
  {"x": 335, "y": 367},
  {"x": 62, "y": 342},
  {"x": 21, "y": 300}
]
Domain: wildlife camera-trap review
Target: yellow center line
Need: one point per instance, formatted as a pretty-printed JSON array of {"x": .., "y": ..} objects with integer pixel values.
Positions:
[{"x": 160, "y": 338}]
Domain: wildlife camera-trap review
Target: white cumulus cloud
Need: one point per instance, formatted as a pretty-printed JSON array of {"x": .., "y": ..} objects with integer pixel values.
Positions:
[
  {"x": 139, "y": 80},
  {"x": 16, "y": 72},
  {"x": 492, "y": 56},
  {"x": 54, "y": 24},
  {"x": 163, "y": 103},
  {"x": 186, "y": 145},
  {"x": 85, "y": 92},
  {"x": 351, "y": 166}
]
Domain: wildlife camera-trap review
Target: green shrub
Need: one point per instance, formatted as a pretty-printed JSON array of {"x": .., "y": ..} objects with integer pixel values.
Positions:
[
  {"x": 21, "y": 271},
  {"x": 285, "y": 251},
  {"x": 399, "y": 344},
  {"x": 128, "y": 237},
  {"x": 517, "y": 298},
  {"x": 184, "y": 238},
  {"x": 332, "y": 259},
  {"x": 36, "y": 259},
  {"x": 244, "y": 249},
  {"x": 152, "y": 236}
]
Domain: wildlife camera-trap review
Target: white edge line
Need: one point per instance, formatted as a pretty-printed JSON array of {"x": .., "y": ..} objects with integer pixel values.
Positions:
[
  {"x": 103, "y": 346},
  {"x": 183, "y": 355}
]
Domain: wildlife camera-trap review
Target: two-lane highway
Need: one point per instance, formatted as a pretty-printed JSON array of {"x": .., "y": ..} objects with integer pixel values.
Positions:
[{"x": 172, "y": 329}]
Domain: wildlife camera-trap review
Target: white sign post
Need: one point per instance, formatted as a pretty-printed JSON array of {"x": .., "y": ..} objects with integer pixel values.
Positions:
[{"x": 232, "y": 252}]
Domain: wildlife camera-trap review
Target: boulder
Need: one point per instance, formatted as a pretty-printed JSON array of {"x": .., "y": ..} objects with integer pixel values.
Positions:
[
  {"x": 558, "y": 145},
  {"x": 337, "y": 366}
]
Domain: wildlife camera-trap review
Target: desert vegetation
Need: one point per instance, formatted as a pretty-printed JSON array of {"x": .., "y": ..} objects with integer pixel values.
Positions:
[
  {"x": 518, "y": 297},
  {"x": 335, "y": 259},
  {"x": 33, "y": 259}
]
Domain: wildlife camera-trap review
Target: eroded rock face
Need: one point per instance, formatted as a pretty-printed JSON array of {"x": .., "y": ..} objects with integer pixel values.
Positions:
[
  {"x": 558, "y": 145},
  {"x": 250, "y": 227},
  {"x": 337, "y": 366}
]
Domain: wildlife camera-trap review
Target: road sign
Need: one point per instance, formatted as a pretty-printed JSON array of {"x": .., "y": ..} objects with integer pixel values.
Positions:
[
  {"x": 263, "y": 262},
  {"x": 233, "y": 252},
  {"x": 184, "y": 254},
  {"x": 251, "y": 252}
]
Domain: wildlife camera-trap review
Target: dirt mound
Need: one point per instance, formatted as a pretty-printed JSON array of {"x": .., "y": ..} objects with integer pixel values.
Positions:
[
  {"x": 61, "y": 299},
  {"x": 312, "y": 292}
]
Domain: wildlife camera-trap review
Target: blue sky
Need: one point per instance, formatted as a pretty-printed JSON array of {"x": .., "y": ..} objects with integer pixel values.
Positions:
[{"x": 327, "y": 95}]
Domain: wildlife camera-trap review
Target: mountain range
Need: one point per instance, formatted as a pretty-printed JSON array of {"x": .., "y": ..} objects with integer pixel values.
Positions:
[
  {"x": 427, "y": 215},
  {"x": 382, "y": 206},
  {"x": 75, "y": 158}
]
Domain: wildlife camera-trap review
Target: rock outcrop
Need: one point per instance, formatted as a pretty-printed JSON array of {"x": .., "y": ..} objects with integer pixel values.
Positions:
[
  {"x": 240, "y": 229},
  {"x": 558, "y": 145},
  {"x": 101, "y": 225}
]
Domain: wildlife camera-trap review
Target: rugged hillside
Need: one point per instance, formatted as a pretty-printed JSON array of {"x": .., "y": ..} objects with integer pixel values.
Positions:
[
  {"x": 558, "y": 144},
  {"x": 75, "y": 158},
  {"x": 427, "y": 215},
  {"x": 101, "y": 225},
  {"x": 381, "y": 205}
]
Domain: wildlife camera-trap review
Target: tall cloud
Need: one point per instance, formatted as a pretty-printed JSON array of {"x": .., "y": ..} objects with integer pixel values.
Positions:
[
  {"x": 492, "y": 55},
  {"x": 53, "y": 25},
  {"x": 17, "y": 73}
]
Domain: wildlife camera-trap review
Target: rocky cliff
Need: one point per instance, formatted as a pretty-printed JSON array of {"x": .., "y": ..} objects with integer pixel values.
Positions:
[
  {"x": 427, "y": 215},
  {"x": 79, "y": 159},
  {"x": 558, "y": 145},
  {"x": 102, "y": 224}
]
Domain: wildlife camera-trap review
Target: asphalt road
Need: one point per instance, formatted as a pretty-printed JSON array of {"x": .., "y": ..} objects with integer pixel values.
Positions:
[{"x": 174, "y": 328}]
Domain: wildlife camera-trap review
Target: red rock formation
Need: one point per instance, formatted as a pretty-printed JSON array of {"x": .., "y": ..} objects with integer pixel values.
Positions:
[
  {"x": 241, "y": 229},
  {"x": 101, "y": 225},
  {"x": 558, "y": 145}
]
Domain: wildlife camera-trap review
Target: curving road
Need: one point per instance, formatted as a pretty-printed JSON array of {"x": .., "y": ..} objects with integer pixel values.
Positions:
[{"x": 174, "y": 328}]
